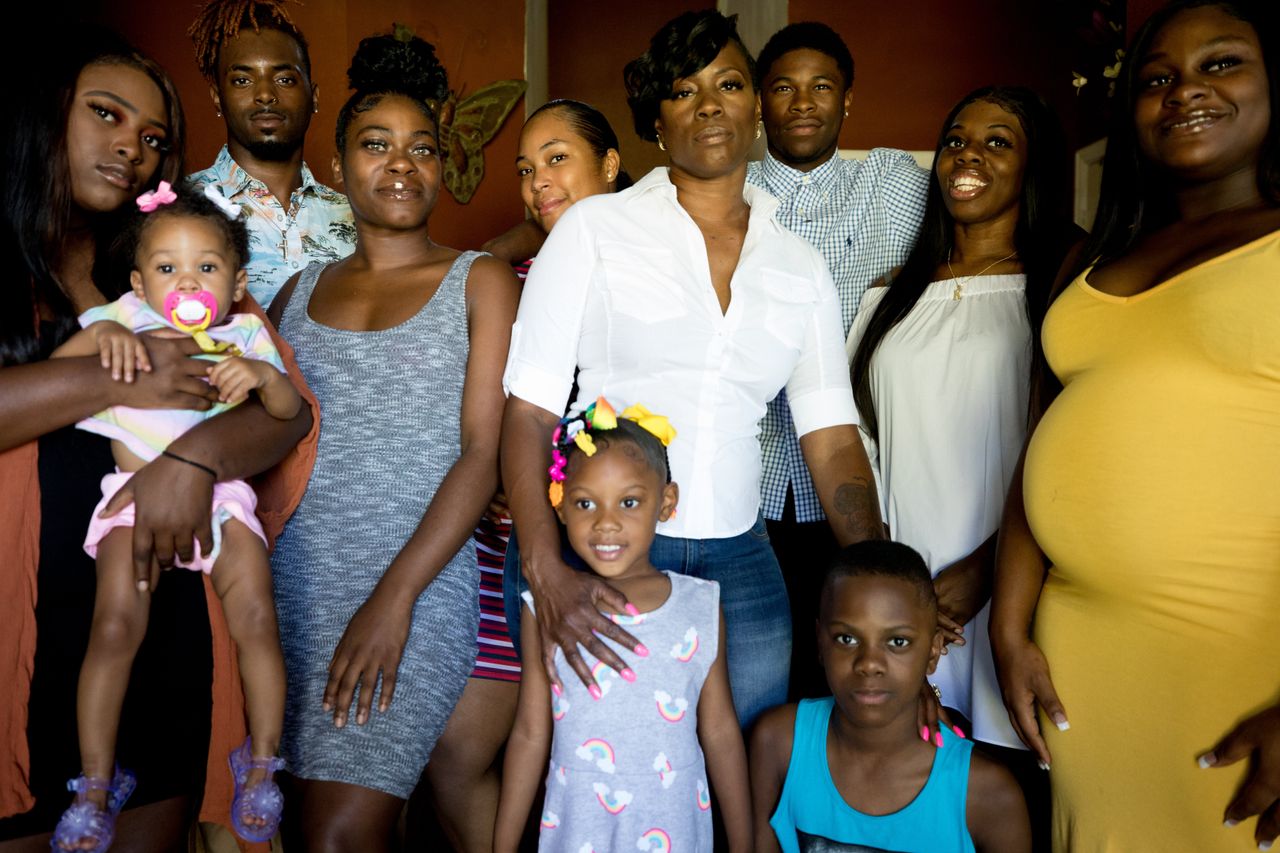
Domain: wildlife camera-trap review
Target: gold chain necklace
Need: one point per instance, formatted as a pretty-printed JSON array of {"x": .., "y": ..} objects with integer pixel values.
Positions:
[{"x": 960, "y": 283}]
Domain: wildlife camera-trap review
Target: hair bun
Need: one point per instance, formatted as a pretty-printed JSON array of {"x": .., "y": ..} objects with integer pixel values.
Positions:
[{"x": 401, "y": 63}]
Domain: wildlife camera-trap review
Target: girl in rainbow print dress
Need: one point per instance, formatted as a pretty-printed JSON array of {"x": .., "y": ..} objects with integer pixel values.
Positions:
[{"x": 627, "y": 767}]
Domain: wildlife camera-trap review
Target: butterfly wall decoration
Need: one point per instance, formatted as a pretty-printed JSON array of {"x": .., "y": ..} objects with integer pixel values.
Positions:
[{"x": 466, "y": 126}]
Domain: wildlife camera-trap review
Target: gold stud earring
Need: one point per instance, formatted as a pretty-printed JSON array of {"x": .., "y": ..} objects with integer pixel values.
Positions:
[{"x": 219, "y": 112}]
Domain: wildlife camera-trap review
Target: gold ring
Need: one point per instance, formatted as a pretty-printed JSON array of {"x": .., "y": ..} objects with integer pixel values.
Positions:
[{"x": 937, "y": 691}]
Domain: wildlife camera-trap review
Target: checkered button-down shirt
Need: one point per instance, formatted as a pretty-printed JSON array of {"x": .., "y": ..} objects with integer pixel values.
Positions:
[
  {"x": 863, "y": 216},
  {"x": 316, "y": 226}
]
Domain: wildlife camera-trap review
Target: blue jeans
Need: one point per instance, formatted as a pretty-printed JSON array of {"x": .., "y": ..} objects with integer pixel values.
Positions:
[{"x": 757, "y": 616}]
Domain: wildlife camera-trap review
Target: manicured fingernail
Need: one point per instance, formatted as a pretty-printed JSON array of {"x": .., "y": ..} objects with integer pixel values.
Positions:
[
  {"x": 627, "y": 674},
  {"x": 326, "y": 706},
  {"x": 382, "y": 707},
  {"x": 339, "y": 722},
  {"x": 142, "y": 586},
  {"x": 362, "y": 717},
  {"x": 1062, "y": 724},
  {"x": 594, "y": 690},
  {"x": 631, "y": 609},
  {"x": 1206, "y": 761},
  {"x": 642, "y": 650},
  {"x": 555, "y": 688},
  {"x": 1228, "y": 823},
  {"x": 937, "y": 739},
  {"x": 924, "y": 733},
  {"x": 1044, "y": 765},
  {"x": 956, "y": 729}
]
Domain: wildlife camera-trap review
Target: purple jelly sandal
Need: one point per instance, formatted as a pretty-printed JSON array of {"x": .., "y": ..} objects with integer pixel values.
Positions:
[
  {"x": 84, "y": 819},
  {"x": 262, "y": 802}
]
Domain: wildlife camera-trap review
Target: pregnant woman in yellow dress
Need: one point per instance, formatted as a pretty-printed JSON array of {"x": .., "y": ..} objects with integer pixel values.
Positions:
[{"x": 1152, "y": 482}]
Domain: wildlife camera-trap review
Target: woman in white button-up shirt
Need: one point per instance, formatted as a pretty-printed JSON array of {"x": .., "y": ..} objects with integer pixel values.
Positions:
[{"x": 684, "y": 294}]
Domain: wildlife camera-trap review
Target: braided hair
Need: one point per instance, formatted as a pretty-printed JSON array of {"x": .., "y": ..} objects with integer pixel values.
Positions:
[
  {"x": 600, "y": 426},
  {"x": 219, "y": 21}
]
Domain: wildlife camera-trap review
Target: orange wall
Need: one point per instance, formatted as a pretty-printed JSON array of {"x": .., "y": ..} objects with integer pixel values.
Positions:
[
  {"x": 913, "y": 60},
  {"x": 477, "y": 42}
]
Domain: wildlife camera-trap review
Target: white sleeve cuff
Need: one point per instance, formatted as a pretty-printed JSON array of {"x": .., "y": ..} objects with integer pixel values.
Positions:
[{"x": 821, "y": 409}]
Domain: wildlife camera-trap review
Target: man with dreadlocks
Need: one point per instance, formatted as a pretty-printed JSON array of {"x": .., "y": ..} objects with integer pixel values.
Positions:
[{"x": 259, "y": 71}]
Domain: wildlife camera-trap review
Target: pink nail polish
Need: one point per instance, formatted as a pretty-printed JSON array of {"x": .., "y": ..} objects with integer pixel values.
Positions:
[
  {"x": 555, "y": 688},
  {"x": 937, "y": 740},
  {"x": 631, "y": 609},
  {"x": 594, "y": 690},
  {"x": 956, "y": 729},
  {"x": 628, "y": 675},
  {"x": 642, "y": 650},
  {"x": 924, "y": 733}
]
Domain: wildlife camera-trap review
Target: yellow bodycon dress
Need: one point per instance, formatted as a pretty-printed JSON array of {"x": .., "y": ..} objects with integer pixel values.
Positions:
[{"x": 1153, "y": 485}]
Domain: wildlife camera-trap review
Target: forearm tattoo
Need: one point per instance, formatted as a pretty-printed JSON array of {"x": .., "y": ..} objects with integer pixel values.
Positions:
[{"x": 855, "y": 505}]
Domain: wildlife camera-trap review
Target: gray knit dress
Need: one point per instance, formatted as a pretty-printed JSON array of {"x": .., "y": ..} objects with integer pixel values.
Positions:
[{"x": 390, "y": 412}]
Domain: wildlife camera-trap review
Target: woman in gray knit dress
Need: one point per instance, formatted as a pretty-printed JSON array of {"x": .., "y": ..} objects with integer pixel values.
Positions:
[{"x": 375, "y": 575}]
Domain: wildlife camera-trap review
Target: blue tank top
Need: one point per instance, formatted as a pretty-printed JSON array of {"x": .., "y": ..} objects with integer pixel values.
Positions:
[{"x": 812, "y": 817}]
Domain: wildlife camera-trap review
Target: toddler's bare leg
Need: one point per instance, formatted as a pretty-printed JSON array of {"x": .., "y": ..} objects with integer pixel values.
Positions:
[
  {"x": 120, "y": 614},
  {"x": 242, "y": 578}
]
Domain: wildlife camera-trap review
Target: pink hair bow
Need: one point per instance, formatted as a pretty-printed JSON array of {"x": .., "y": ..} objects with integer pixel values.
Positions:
[{"x": 163, "y": 194}]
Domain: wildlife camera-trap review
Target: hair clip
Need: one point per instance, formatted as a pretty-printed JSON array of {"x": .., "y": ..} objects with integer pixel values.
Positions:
[
  {"x": 162, "y": 194},
  {"x": 228, "y": 208},
  {"x": 600, "y": 415}
]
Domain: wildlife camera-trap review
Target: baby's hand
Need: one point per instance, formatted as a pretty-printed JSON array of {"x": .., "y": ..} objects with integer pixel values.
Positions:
[
  {"x": 121, "y": 350},
  {"x": 235, "y": 377}
]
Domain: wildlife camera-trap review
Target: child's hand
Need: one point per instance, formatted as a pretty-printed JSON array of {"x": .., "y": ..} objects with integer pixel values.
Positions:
[
  {"x": 235, "y": 377},
  {"x": 121, "y": 351}
]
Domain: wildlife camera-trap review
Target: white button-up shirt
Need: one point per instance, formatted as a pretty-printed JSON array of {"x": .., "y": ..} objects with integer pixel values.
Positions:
[{"x": 622, "y": 291}]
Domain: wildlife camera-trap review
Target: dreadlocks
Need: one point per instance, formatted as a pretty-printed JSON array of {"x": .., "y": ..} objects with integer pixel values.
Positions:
[{"x": 221, "y": 20}]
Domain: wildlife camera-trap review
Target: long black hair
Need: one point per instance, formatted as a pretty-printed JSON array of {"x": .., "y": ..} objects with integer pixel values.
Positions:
[
  {"x": 1036, "y": 237},
  {"x": 35, "y": 198},
  {"x": 1135, "y": 197}
]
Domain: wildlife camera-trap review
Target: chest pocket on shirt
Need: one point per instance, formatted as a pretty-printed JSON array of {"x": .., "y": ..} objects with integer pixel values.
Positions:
[
  {"x": 790, "y": 301},
  {"x": 639, "y": 283}
]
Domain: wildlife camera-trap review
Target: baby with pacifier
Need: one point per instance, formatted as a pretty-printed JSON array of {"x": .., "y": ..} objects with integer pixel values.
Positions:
[{"x": 189, "y": 251}]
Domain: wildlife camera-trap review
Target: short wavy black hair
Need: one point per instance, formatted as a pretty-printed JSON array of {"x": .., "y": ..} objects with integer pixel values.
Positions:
[
  {"x": 805, "y": 35},
  {"x": 399, "y": 64},
  {"x": 683, "y": 46},
  {"x": 190, "y": 203},
  {"x": 882, "y": 558}
]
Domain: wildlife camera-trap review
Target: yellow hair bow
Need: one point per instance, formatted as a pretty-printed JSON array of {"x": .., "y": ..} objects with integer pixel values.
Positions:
[{"x": 657, "y": 425}]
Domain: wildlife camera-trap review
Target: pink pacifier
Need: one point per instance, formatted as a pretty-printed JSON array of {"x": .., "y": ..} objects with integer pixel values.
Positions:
[{"x": 191, "y": 312}]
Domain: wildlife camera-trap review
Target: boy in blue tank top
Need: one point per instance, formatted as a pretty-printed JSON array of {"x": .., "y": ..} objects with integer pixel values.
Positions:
[{"x": 850, "y": 773}]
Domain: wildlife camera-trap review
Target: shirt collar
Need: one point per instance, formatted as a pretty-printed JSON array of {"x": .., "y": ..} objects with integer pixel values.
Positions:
[
  {"x": 782, "y": 178},
  {"x": 762, "y": 203},
  {"x": 234, "y": 179}
]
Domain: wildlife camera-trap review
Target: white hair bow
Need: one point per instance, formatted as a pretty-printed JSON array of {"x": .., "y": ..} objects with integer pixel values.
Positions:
[{"x": 232, "y": 211}]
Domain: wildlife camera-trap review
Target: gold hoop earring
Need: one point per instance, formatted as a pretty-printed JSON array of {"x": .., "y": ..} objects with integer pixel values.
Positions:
[
  {"x": 661, "y": 147},
  {"x": 759, "y": 128}
]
